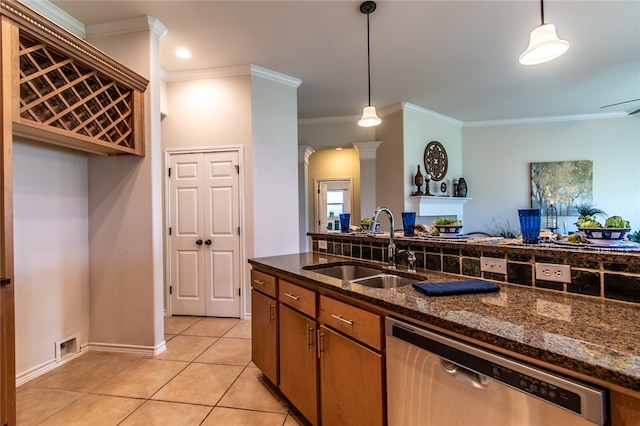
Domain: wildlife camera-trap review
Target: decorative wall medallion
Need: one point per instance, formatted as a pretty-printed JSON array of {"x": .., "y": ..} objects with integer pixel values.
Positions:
[{"x": 435, "y": 160}]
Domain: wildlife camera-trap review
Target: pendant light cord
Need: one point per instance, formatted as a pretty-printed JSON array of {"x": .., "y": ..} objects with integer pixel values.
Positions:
[
  {"x": 368, "y": 61},
  {"x": 541, "y": 12}
]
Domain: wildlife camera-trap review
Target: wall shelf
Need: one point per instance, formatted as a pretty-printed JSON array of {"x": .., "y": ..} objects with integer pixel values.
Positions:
[{"x": 433, "y": 205}]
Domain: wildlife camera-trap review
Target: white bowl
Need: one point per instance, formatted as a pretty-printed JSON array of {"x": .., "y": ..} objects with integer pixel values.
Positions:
[
  {"x": 604, "y": 236},
  {"x": 448, "y": 231}
]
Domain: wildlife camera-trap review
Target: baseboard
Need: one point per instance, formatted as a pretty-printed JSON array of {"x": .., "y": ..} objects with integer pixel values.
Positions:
[
  {"x": 50, "y": 365},
  {"x": 130, "y": 349},
  {"x": 45, "y": 367}
]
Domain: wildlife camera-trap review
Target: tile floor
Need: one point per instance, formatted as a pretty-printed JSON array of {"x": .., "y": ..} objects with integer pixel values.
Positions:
[{"x": 205, "y": 377}]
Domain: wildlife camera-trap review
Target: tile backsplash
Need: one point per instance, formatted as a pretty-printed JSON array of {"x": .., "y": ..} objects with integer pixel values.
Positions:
[{"x": 605, "y": 273}]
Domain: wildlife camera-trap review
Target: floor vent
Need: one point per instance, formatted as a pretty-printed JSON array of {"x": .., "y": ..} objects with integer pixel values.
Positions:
[{"x": 66, "y": 347}]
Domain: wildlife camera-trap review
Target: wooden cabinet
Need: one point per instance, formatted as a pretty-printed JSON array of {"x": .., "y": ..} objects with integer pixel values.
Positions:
[
  {"x": 360, "y": 324},
  {"x": 264, "y": 325},
  {"x": 299, "y": 362},
  {"x": 264, "y": 334},
  {"x": 326, "y": 358},
  {"x": 360, "y": 398},
  {"x": 625, "y": 409},
  {"x": 299, "y": 298},
  {"x": 351, "y": 378}
]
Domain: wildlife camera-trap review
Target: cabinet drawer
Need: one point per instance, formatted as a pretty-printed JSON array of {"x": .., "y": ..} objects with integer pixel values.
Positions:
[
  {"x": 264, "y": 283},
  {"x": 358, "y": 323},
  {"x": 298, "y": 297}
]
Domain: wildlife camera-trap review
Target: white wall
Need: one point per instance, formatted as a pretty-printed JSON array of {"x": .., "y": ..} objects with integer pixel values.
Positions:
[
  {"x": 275, "y": 167},
  {"x": 208, "y": 110},
  {"x": 421, "y": 127},
  {"x": 496, "y": 165},
  {"x": 51, "y": 252},
  {"x": 125, "y": 218}
]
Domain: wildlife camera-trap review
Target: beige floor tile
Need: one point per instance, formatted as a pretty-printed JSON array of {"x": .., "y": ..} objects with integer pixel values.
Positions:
[
  {"x": 35, "y": 405},
  {"x": 168, "y": 337},
  {"x": 242, "y": 330},
  {"x": 186, "y": 348},
  {"x": 228, "y": 351},
  {"x": 84, "y": 373},
  {"x": 142, "y": 379},
  {"x": 199, "y": 384},
  {"x": 178, "y": 324},
  {"x": 95, "y": 410},
  {"x": 214, "y": 327},
  {"x": 253, "y": 392},
  {"x": 159, "y": 413},
  {"x": 235, "y": 417}
]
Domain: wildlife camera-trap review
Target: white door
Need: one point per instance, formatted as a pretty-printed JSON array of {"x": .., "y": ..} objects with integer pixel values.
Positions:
[
  {"x": 205, "y": 241},
  {"x": 321, "y": 215}
]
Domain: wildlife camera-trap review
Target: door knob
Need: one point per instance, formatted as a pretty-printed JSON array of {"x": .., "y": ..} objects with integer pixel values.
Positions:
[
  {"x": 208, "y": 242},
  {"x": 199, "y": 242}
]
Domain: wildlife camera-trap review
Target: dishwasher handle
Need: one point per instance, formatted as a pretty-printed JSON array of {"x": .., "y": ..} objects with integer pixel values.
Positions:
[{"x": 464, "y": 375}]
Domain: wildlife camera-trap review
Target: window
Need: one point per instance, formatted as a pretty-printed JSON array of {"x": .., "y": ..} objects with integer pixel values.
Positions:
[{"x": 335, "y": 202}]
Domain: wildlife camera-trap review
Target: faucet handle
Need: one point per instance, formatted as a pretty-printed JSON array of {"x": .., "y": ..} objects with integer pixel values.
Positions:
[{"x": 411, "y": 258}]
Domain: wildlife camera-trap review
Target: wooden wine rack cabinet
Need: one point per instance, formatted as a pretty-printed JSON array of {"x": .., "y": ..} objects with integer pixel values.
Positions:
[{"x": 69, "y": 92}]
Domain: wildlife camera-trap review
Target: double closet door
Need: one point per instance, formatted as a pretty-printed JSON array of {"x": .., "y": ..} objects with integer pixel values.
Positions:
[{"x": 204, "y": 222}]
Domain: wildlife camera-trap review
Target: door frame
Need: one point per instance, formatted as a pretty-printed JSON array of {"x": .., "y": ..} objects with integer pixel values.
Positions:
[
  {"x": 167, "y": 214},
  {"x": 316, "y": 204}
]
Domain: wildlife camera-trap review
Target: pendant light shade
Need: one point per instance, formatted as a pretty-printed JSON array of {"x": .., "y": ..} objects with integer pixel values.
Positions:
[
  {"x": 544, "y": 43},
  {"x": 369, "y": 116}
]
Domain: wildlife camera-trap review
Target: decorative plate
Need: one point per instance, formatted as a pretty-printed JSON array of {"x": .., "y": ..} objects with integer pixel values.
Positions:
[{"x": 435, "y": 160}]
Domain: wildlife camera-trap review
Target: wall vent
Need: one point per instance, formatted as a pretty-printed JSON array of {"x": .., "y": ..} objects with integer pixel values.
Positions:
[{"x": 66, "y": 347}]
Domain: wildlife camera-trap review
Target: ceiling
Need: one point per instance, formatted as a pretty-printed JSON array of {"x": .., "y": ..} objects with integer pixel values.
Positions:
[{"x": 457, "y": 58}]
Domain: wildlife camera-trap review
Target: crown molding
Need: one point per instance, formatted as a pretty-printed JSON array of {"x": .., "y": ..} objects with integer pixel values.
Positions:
[
  {"x": 131, "y": 25},
  {"x": 234, "y": 71},
  {"x": 261, "y": 72},
  {"x": 542, "y": 120},
  {"x": 406, "y": 106},
  {"x": 56, "y": 15}
]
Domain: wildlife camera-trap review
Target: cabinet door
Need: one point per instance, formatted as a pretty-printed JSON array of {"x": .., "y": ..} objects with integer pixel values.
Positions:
[
  {"x": 350, "y": 382},
  {"x": 264, "y": 334},
  {"x": 299, "y": 362}
]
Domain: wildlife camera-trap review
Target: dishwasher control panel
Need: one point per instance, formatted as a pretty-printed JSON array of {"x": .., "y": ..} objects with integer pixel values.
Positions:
[{"x": 534, "y": 386}]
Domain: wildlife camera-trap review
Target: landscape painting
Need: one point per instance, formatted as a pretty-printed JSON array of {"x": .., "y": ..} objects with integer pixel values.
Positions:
[{"x": 564, "y": 184}]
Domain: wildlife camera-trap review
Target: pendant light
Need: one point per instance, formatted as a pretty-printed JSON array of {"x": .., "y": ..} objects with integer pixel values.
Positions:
[
  {"x": 544, "y": 44},
  {"x": 369, "y": 116}
]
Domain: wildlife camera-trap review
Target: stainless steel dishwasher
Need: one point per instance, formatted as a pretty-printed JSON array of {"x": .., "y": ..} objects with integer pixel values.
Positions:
[{"x": 433, "y": 380}]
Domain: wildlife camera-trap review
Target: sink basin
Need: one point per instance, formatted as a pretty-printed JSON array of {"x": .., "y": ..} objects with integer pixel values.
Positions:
[
  {"x": 345, "y": 272},
  {"x": 384, "y": 281}
]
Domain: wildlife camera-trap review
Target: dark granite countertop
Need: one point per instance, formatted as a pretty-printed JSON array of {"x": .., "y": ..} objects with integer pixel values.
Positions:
[{"x": 590, "y": 336}]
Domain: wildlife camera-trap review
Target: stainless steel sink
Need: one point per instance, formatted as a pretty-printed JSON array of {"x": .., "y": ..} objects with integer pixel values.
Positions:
[
  {"x": 384, "y": 281},
  {"x": 345, "y": 272}
]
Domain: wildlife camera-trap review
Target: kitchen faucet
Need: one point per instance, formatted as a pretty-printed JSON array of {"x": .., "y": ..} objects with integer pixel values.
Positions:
[{"x": 392, "y": 246}]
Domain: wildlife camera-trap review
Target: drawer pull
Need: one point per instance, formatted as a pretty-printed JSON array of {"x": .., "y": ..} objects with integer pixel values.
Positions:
[
  {"x": 259, "y": 282},
  {"x": 292, "y": 296},
  {"x": 339, "y": 317}
]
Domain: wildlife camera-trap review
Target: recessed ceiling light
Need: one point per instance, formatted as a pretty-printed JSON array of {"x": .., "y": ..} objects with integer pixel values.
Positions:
[{"x": 183, "y": 53}]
